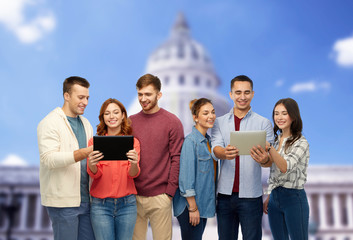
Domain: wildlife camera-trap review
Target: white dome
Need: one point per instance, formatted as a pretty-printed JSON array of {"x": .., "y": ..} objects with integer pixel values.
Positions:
[
  {"x": 181, "y": 53},
  {"x": 186, "y": 72}
]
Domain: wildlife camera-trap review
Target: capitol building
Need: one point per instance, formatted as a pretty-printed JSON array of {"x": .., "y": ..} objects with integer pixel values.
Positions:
[{"x": 186, "y": 72}]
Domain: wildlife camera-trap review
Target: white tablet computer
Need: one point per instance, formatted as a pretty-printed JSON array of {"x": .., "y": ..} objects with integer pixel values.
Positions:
[
  {"x": 245, "y": 140},
  {"x": 113, "y": 147}
]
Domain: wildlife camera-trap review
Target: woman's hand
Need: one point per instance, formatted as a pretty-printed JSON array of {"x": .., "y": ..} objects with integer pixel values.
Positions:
[
  {"x": 133, "y": 159},
  {"x": 265, "y": 205},
  {"x": 259, "y": 154},
  {"x": 93, "y": 159},
  {"x": 132, "y": 156},
  {"x": 194, "y": 218}
]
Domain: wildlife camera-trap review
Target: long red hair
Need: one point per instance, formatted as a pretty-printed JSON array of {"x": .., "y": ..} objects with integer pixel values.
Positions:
[{"x": 125, "y": 124}]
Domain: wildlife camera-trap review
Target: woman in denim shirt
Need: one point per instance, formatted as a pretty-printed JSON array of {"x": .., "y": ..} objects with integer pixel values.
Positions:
[{"x": 195, "y": 200}]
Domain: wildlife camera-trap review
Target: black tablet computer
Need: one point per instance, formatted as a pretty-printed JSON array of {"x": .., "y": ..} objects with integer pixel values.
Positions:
[{"x": 113, "y": 147}]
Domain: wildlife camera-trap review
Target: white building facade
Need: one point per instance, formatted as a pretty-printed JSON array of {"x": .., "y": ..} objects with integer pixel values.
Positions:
[{"x": 329, "y": 190}]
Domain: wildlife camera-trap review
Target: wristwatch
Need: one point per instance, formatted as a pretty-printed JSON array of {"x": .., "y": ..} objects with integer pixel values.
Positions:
[{"x": 269, "y": 148}]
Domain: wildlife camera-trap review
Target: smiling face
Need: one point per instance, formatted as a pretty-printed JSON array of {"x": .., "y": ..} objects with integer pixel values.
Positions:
[
  {"x": 241, "y": 94},
  {"x": 205, "y": 118},
  {"x": 76, "y": 101},
  {"x": 282, "y": 118},
  {"x": 113, "y": 118},
  {"x": 148, "y": 97}
]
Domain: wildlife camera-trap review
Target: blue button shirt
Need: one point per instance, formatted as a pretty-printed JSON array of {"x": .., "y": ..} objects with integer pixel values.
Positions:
[
  {"x": 196, "y": 177},
  {"x": 250, "y": 185}
]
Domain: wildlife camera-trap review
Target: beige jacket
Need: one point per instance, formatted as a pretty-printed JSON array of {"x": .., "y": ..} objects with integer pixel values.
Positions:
[{"x": 59, "y": 174}]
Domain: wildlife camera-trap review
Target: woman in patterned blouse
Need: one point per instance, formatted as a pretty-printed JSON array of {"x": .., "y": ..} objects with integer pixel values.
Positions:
[{"x": 287, "y": 205}]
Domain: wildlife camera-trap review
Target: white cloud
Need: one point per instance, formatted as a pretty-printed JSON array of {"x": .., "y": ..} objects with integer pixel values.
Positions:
[
  {"x": 12, "y": 16},
  {"x": 310, "y": 86},
  {"x": 13, "y": 160},
  {"x": 343, "y": 52},
  {"x": 279, "y": 83}
]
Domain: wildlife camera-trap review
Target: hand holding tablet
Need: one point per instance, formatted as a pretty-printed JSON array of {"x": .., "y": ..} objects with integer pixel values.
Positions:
[
  {"x": 114, "y": 148},
  {"x": 245, "y": 140}
]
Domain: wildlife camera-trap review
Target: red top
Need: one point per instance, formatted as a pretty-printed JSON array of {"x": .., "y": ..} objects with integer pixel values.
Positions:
[
  {"x": 236, "y": 178},
  {"x": 112, "y": 179},
  {"x": 161, "y": 136}
]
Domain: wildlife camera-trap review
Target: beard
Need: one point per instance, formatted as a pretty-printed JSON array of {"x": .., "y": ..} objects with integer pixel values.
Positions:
[{"x": 152, "y": 104}]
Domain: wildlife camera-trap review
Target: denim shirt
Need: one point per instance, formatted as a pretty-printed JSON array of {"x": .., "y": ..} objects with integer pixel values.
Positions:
[
  {"x": 250, "y": 185},
  {"x": 196, "y": 177}
]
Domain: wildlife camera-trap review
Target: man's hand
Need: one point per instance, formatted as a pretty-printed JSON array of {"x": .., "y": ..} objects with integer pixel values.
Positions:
[
  {"x": 231, "y": 152},
  {"x": 82, "y": 153}
]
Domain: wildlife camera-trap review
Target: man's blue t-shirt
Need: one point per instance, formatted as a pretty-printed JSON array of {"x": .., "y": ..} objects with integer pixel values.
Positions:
[{"x": 79, "y": 130}]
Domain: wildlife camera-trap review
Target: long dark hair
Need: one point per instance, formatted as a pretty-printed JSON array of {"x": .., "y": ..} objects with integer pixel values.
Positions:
[
  {"x": 297, "y": 124},
  {"x": 125, "y": 125}
]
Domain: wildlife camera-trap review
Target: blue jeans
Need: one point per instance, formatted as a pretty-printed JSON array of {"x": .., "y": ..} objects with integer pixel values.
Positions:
[
  {"x": 71, "y": 223},
  {"x": 113, "y": 218},
  {"x": 189, "y": 232},
  {"x": 232, "y": 211},
  {"x": 288, "y": 214}
]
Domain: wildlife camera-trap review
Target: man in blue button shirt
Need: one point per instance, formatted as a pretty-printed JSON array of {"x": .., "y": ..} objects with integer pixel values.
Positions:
[{"x": 239, "y": 199}]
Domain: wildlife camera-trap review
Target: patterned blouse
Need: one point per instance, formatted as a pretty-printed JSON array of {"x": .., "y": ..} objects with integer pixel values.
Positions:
[{"x": 297, "y": 157}]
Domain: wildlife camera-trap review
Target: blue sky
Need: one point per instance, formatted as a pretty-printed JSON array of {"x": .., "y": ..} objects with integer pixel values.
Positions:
[{"x": 299, "y": 49}]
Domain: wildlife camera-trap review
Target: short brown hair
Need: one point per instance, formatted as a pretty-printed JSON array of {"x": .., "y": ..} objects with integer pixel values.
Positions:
[
  {"x": 196, "y": 104},
  {"x": 70, "y": 81},
  {"x": 149, "y": 79}
]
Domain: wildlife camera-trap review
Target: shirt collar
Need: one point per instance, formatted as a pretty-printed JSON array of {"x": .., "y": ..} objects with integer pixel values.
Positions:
[
  {"x": 199, "y": 136},
  {"x": 248, "y": 114}
]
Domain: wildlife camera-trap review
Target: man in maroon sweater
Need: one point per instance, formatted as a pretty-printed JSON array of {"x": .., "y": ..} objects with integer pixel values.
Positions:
[{"x": 161, "y": 136}]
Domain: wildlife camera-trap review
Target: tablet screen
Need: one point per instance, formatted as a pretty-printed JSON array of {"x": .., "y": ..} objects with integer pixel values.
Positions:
[
  {"x": 113, "y": 147},
  {"x": 245, "y": 140}
]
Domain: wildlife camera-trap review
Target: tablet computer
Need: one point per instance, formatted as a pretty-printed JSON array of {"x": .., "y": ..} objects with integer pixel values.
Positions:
[
  {"x": 113, "y": 147},
  {"x": 245, "y": 140}
]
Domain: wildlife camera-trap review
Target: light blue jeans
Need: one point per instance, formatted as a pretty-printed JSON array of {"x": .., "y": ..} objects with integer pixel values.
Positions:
[
  {"x": 288, "y": 214},
  {"x": 113, "y": 218},
  {"x": 71, "y": 223}
]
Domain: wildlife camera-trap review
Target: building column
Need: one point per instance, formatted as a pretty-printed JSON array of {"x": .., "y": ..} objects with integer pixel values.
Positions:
[
  {"x": 38, "y": 216},
  {"x": 322, "y": 211},
  {"x": 337, "y": 213},
  {"x": 349, "y": 205},
  {"x": 23, "y": 214}
]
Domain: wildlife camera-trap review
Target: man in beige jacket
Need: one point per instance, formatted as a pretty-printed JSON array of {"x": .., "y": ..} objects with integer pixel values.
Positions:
[{"x": 64, "y": 182}]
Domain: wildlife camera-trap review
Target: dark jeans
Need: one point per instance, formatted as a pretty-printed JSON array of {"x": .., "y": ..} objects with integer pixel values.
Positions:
[
  {"x": 189, "y": 232},
  {"x": 288, "y": 214},
  {"x": 232, "y": 211}
]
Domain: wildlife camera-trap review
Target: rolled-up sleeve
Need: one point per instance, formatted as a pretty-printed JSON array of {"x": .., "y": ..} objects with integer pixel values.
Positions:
[{"x": 187, "y": 174}]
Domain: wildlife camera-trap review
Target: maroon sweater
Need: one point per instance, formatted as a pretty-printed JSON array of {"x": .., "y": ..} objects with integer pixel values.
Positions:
[{"x": 161, "y": 136}]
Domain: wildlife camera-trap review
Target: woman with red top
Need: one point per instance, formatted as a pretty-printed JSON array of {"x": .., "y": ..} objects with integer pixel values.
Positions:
[{"x": 113, "y": 203}]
